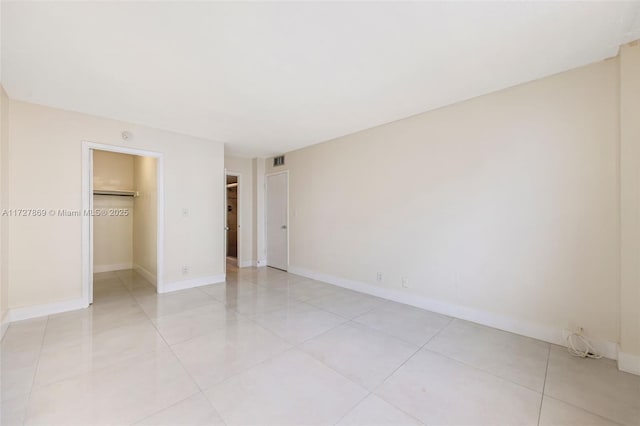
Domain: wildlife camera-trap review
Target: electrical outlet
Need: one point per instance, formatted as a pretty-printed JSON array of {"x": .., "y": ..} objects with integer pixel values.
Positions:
[
  {"x": 405, "y": 282},
  {"x": 185, "y": 270},
  {"x": 575, "y": 328},
  {"x": 379, "y": 276}
]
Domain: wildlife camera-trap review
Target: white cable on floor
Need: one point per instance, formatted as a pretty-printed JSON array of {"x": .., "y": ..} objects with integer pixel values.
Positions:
[{"x": 579, "y": 345}]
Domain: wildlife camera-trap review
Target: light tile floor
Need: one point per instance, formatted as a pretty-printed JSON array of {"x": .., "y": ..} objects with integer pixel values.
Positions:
[{"x": 271, "y": 348}]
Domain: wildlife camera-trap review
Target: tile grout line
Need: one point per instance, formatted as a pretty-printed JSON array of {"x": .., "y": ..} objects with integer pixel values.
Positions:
[
  {"x": 179, "y": 362},
  {"x": 309, "y": 302},
  {"x": 247, "y": 318},
  {"x": 79, "y": 344},
  {"x": 35, "y": 371},
  {"x": 423, "y": 347},
  {"x": 586, "y": 411},
  {"x": 200, "y": 390},
  {"x": 451, "y": 321},
  {"x": 175, "y": 404},
  {"x": 295, "y": 347},
  {"x": 290, "y": 344},
  {"x": 544, "y": 384},
  {"x": 370, "y": 392},
  {"x": 475, "y": 367},
  {"x": 420, "y": 348},
  {"x": 347, "y": 320},
  {"x": 254, "y": 320},
  {"x": 479, "y": 368},
  {"x": 354, "y": 319},
  {"x": 410, "y": 357},
  {"x": 350, "y": 410}
]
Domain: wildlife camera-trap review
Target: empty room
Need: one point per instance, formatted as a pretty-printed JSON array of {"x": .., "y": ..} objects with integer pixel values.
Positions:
[{"x": 319, "y": 213}]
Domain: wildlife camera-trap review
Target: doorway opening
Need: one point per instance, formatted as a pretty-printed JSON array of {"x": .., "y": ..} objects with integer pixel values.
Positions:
[
  {"x": 277, "y": 220},
  {"x": 122, "y": 221},
  {"x": 232, "y": 220}
]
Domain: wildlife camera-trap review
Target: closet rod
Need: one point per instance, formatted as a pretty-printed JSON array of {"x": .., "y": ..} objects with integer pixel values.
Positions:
[{"x": 115, "y": 192}]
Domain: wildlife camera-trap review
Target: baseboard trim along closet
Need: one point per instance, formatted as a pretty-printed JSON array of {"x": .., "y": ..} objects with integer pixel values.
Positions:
[
  {"x": 146, "y": 274},
  {"x": 108, "y": 268},
  {"x": 246, "y": 263},
  {"x": 196, "y": 282},
  {"x": 36, "y": 311},
  {"x": 524, "y": 328}
]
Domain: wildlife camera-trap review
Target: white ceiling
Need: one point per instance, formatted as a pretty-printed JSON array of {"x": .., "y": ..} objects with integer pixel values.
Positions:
[{"x": 268, "y": 78}]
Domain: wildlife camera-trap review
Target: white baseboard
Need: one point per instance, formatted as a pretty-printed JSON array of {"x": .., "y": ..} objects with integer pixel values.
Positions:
[
  {"x": 115, "y": 267},
  {"x": 146, "y": 274},
  {"x": 246, "y": 263},
  {"x": 4, "y": 324},
  {"x": 259, "y": 263},
  {"x": 628, "y": 362},
  {"x": 28, "y": 312},
  {"x": 196, "y": 282},
  {"x": 524, "y": 328}
]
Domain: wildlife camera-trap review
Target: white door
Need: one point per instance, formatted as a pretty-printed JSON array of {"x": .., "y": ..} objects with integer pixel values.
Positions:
[{"x": 277, "y": 224}]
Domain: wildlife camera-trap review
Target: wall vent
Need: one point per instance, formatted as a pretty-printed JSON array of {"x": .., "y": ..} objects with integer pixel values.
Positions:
[{"x": 278, "y": 161}]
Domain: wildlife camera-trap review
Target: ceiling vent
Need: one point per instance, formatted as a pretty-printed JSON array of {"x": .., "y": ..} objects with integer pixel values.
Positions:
[{"x": 278, "y": 161}]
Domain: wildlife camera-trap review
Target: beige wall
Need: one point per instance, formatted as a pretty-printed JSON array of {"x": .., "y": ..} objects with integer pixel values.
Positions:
[
  {"x": 113, "y": 171},
  {"x": 4, "y": 203},
  {"x": 259, "y": 246},
  {"x": 112, "y": 234},
  {"x": 45, "y": 172},
  {"x": 504, "y": 205},
  {"x": 145, "y": 217},
  {"x": 630, "y": 204},
  {"x": 246, "y": 203}
]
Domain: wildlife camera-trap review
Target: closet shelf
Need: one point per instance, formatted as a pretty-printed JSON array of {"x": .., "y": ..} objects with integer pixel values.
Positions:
[{"x": 115, "y": 192}]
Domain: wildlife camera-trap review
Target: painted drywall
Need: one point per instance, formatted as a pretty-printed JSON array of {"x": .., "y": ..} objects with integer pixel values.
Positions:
[
  {"x": 244, "y": 166},
  {"x": 258, "y": 165},
  {"x": 505, "y": 204},
  {"x": 630, "y": 203},
  {"x": 45, "y": 172},
  {"x": 112, "y": 234},
  {"x": 112, "y": 170},
  {"x": 4, "y": 204},
  {"x": 145, "y": 217}
]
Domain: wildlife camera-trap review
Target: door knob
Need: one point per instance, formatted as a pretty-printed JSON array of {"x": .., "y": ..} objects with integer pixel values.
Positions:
[
  {"x": 284, "y": 226},
  {"x": 226, "y": 228}
]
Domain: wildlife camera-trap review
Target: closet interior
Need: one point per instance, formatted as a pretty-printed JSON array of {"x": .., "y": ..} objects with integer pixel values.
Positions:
[{"x": 124, "y": 219}]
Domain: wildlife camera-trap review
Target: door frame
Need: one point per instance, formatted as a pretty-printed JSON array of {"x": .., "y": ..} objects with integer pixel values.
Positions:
[
  {"x": 87, "y": 219},
  {"x": 239, "y": 214},
  {"x": 266, "y": 215}
]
